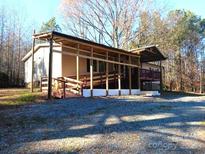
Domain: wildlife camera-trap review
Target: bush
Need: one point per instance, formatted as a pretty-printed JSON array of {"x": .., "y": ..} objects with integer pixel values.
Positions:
[{"x": 4, "y": 80}]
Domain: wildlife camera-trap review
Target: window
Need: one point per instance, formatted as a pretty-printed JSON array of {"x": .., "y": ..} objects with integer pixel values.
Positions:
[{"x": 94, "y": 65}]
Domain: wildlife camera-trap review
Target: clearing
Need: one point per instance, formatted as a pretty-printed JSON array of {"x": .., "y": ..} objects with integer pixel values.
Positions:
[{"x": 131, "y": 124}]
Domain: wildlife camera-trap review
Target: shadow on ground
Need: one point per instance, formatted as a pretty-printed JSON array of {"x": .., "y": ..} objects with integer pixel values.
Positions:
[{"x": 134, "y": 124}]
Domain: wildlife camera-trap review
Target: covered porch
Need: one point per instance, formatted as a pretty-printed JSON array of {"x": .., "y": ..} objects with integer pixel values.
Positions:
[
  {"x": 92, "y": 69},
  {"x": 96, "y": 69}
]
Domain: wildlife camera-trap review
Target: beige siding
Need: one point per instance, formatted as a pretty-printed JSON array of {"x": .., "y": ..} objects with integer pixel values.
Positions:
[
  {"x": 69, "y": 65},
  {"x": 41, "y": 59}
]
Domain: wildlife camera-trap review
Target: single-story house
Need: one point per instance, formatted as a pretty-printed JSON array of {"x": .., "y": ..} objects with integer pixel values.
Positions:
[{"x": 68, "y": 65}]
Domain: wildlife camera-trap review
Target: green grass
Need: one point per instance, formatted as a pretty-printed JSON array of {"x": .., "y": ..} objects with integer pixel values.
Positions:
[
  {"x": 26, "y": 98},
  {"x": 17, "y": 97}
]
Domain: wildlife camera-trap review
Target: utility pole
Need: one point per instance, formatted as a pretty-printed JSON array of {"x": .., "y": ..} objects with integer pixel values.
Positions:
[{"x": 32, "y": 62}]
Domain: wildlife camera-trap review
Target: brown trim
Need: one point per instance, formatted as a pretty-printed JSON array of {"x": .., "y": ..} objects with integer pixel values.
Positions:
[
  {"x": 91, "y": 73},
  {"x": 107, "y": 70},
  {"x": 130, "y": 77},
  {"x": 50, "y": 69},
  {"x": 161, "y": 82},
  {"x": 119, "y": 76}
]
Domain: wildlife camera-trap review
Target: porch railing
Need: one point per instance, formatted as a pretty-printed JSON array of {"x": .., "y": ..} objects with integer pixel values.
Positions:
[
  {"x": 61, "y": 85},
  {"x": 98, "y": 78}
]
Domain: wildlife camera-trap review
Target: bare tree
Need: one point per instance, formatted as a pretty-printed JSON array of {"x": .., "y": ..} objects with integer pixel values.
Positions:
[
  {"x": 112, "y": 22},
  {"x": 14, "y": 44}
]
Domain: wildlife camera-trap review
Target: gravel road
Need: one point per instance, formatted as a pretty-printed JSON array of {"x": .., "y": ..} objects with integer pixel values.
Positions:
[{"x": 131, "y": 124}]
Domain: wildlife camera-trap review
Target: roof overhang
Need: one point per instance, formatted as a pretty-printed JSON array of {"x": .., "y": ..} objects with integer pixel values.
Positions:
[
  {"x": 149, "y": 54},
  {"x": 64, "y": 39},
  {"x": 146, "y": 54},
  {"x": 42, "y": 45}
]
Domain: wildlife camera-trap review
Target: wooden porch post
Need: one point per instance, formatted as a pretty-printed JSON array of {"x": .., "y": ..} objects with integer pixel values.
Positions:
[
  {"x": 107, "y": 69},
  {"x": 91, "y": 73},
  {"x": 77, "y": 64},
  {"x": 77, "y": 67},
  {"x": 50, "y": 68},
  {"x": 119, "y": 76},
  {"x": 161, "y": 82},
  {"x": 138, "y": 79},
  {"x": 32, "y": 62},
  {"x": 130, "y": 77}
]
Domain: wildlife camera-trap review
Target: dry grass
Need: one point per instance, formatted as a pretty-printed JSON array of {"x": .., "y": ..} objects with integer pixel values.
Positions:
[
  {"x": 203, "y": 123},
  {"x": 15, "y": 97}
]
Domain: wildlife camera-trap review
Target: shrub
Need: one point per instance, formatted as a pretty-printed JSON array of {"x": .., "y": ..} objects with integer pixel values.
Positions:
[{"x": 4, "y": 80}]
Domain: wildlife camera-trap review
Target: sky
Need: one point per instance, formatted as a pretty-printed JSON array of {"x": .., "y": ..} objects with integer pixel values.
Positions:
[
  {"x": 196, "y": 6},
  {"x": 38, "y": 11}
]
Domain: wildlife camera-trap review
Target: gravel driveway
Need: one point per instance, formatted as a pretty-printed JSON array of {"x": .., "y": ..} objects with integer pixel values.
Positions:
[{"x": 133, "y": 124}]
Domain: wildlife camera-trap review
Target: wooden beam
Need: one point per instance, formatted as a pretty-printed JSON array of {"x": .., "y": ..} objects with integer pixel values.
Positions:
[
  {"x": 103, "y": 55},
  {"x": 119, "y": 76},
  {"x": 161, "y": 82},
  {"x": 107, "y": 80},
  {"x": 40, "y": 35},
  {"x": 50, "y": 69},
  {"x": 91, "y": 74},
  {"x": 98, "y": 59},
  {"x": 130, "y": 77},
  {"x": 77, "y": 64},
  {"x": 138, "y": 78},
  {"x": 32, "y": 62},
  {"x": 122, "y": 52}
]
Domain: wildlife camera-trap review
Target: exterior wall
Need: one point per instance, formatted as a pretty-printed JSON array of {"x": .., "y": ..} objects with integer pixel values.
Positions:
[
  {"x": 57, "y": 63},
  {"x": 41, "y": 61},
  {"x": 69, "y": 65},
  {"x": 150, "y": 66},
  {"x": 27, "y": 70}
]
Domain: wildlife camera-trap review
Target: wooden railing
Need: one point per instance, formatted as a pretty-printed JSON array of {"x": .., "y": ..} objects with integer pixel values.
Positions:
[
  {"x": 98, "y": 78},
  {"x": 149, "y": 74},
  {"x": 73, "y": 85},
  {"x": 62, "y": 84}
]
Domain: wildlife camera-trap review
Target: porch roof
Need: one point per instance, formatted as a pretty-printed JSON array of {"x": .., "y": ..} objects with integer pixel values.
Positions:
[
  {"x": 149, "y": 54},
  {"x": 146, "y": 54},
  {"x": 67, "y": 39}
]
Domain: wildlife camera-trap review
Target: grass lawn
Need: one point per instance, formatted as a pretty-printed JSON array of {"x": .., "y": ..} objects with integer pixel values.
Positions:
[{"x": 14, "y": 97}]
